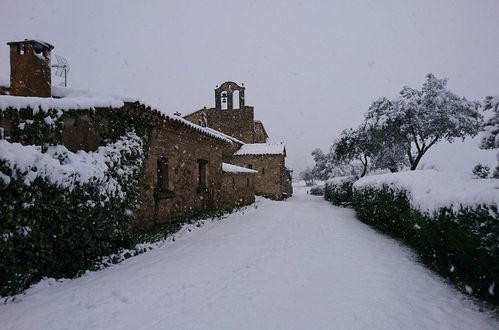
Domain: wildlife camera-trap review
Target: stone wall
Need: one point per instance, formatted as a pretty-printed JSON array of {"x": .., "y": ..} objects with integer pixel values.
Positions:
[
  {"x": 237, "y": 189},
  {"x": 84, "y": 131},
  {"x": 183, "y": 195},
  {"x": 237, "y": 123},
  {"x": 268, "y": 180},
  {"x": 260, "y": 133},
  {"x": 287, "y": 182}
]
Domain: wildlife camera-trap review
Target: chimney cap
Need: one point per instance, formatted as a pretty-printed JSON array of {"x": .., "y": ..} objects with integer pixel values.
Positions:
[{"x": 33, "y": 41}]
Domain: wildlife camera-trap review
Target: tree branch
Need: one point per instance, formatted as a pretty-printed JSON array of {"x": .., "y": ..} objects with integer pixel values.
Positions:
[{"x": 415, "y": 138}]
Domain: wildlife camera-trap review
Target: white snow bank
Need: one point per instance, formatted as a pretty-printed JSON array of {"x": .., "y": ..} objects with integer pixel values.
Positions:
[
  {"x": 430, "y": 190},
  {"x": 339, "y": 180},
  {"x": 229, "y": 168},
  {"x": 261, "y": 149},
  {"x": 67, "y": 169}
]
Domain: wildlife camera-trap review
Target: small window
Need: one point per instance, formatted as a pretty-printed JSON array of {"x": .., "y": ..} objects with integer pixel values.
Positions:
[
  {"x": 202, "y": 172},
  {"x": 233, "y": 183},
  {"x": 263, "y": 170},
  {"x": 247, "y": 182},
  {"x": 249, "y": 166},
  {"x": 163, "y": 179},
  {"x": 21, "y": 48},
  {"x": 203, "y": 122}
]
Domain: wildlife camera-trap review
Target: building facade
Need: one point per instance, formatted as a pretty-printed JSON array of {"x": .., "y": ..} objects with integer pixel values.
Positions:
[{"x": 273, "y": 179}]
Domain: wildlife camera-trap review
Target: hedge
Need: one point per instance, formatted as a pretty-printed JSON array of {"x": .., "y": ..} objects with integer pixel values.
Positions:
[
  {"x": 339, "y": 190},
  {"x": 317, "y": 190},
  {"x": 51, "y": 230},
  {"x": 462, "y": 246}
]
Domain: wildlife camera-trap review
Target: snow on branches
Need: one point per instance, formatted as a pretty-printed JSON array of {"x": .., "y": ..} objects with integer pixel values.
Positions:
[
  {"x": 490, "y": 138},
  {"x": 418, "y": 119},
  {"x": 398, "y": 132}
]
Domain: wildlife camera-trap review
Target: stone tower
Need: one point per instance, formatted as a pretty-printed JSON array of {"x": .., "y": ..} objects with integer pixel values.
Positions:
[
  {"x": 236, "y": 122},
  {"x": 30, "y": 68}
]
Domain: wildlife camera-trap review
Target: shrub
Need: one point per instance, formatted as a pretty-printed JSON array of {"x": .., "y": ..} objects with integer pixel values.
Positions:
[
  {"x": 339, "y": 190},
  {"x": 317, "y": 190},
  {"x": 461, "y": 245},
  {"x": 481, "y": 171},
  {"x": 495, "y": 174}
]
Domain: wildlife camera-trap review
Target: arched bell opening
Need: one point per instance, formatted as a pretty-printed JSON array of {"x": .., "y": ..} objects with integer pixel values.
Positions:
[
  {"x": 235, "y": 99},
  {"x": 224, "y": 100}
]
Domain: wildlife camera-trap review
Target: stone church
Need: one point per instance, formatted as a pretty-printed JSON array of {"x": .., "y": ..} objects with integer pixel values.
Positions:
[{"x": 273, "y": 179}]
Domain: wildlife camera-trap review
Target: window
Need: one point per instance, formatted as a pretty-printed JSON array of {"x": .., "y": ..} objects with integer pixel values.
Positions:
[
  {"x": 163, "y": 179},
  {"x": 203, "y": 122},
  {"x": 247, "y": 182},
  {"x": 249, "y": 166},
  {"x": 21, "y": 48},
  {"x": 263, "y": 170},
  {"x": 202, "y": 173}
]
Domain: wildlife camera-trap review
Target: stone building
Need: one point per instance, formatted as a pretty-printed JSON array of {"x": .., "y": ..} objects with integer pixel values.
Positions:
[
  {"x": 250, "y": 148},
  {"x": 184, "y": 172},
  {"x": 273, "y": 179}
]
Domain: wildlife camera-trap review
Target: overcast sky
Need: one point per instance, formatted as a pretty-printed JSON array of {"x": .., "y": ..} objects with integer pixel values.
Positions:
[{"x": 310, "y": 68}]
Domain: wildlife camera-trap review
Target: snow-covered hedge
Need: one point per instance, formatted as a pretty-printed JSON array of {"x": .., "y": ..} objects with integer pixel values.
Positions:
[
  {"x": 60, "y": 211},
  {"x": 339, "y": 190},
  {"x": 452, "y": 222},
  {"x": 317, "y": 190}
]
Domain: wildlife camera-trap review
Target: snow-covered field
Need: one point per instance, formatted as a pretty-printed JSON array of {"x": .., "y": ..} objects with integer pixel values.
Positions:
[{"x": 298, "y": 264}]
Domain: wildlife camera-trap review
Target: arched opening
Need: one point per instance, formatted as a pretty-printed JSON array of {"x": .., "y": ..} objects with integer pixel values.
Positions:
[
  {"x": 235, "y": 99},
  {"x": 224, "y": 100}
]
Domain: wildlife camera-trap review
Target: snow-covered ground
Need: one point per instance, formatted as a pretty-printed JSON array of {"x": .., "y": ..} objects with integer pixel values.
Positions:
[{"x": 298, "y": 264}]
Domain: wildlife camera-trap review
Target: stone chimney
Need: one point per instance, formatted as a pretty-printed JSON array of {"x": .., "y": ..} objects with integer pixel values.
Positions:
[{"x": 30, "y": 68}]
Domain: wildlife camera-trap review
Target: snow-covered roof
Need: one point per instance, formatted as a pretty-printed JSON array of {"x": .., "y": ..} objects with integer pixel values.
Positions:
[
  {"x": 261, "y": 149},
  {"x": 69, "y": 99},
  {"x": 204, "y": 130},
  {"x": 233, "y": 139},
  {"x": 430, "y": 190},
  {"x": 229, "y": 168},
  {"x": 43, "y": 43}
]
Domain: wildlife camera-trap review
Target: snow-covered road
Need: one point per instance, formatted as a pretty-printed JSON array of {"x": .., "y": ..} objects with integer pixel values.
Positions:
[{"x": 298, "y": 264}]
